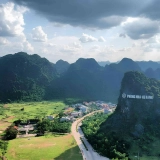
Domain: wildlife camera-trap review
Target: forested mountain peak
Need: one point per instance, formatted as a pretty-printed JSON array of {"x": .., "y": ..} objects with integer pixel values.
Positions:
[
  {"x": 62, "y": 66},
  {"x": 23, "y": 75},
  {"x": 127, "y": 64},
  {"x": 136, "y": 118},
  {"x": 89, "y": 64}
]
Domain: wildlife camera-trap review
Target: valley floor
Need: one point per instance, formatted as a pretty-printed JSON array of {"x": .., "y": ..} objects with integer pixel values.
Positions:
[{"x": 55, "y": 147}]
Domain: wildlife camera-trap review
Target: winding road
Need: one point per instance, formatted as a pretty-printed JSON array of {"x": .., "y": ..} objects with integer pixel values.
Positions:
[{"x": 90, "y": 154}]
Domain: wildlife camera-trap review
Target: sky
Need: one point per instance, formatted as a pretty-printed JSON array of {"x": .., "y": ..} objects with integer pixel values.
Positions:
[{"x": 107, "y": 30}]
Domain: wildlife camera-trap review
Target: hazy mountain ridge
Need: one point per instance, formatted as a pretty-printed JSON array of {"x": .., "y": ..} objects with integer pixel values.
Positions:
[
  {"x": 30, "y": 77},
  {"x": 104, "y": 63},
  {"x": 62, "y": 66},
  {"x": 144, "y": 65},
  {"x": 153, "y": 73}
]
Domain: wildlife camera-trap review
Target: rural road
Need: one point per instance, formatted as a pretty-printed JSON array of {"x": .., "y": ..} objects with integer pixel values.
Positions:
[{"x": 90, "y": 154}]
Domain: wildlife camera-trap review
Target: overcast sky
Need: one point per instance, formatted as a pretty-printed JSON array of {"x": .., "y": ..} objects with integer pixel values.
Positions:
[{"x": 106, "y": 30}]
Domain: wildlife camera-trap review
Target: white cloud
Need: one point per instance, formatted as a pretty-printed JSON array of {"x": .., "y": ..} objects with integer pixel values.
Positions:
[
  {"x": 51, "y": 45},
  {"x": 73, "y": 48},
  {"x": 153, "y": 40},
  {"x": 125, "y": 49},
  {"x": 11, "y": 20},
  {"x": 27, "y": 47},
  {"x": 38, "y": 34},
  {"x": 95, "y": 48},
  {"x": 3, "y": 41},
  {"x": 101, "y": 39},
  {"x": 77, "y": 45},
  {"x": 87, "y": 38},
  {"x": 152, "y": 44},
  {"x": 68, "y": 48}
]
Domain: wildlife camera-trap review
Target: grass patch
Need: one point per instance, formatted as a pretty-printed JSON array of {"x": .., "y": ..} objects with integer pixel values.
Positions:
[
  {"x": 56, "y": 147},
  {"x": 31, "y": 110},
  {"x": 4, "y": 125}
]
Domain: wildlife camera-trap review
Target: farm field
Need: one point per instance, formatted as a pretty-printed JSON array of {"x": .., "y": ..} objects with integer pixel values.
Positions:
[
  {"x": 12, "y": 111},
  {"x": 51, "y": 147}
]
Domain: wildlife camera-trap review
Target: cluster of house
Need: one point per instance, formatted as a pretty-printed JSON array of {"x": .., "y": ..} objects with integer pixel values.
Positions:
[
  {"x": 86, "y": 107},
  {"x": 73, "y": 112},
  {"x": 107, "y": 107}
]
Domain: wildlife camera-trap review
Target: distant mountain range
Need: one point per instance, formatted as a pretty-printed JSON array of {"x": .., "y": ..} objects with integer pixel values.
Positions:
[
  {"x": 30, "y": 77},
  {"x": 103, "y": 63}
]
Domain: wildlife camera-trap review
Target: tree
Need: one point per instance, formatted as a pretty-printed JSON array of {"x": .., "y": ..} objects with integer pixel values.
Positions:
[
  {"x": 11, "y": 133},
  {"x": 61, "y": 114},
  {"x": 43, "y": 126},
  {"x": 3, "y": 147}
]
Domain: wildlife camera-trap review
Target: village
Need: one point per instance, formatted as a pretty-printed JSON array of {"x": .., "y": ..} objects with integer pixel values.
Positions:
[
  {"x": 69, "y": 114},
  {"x": 75, "y": 111}
]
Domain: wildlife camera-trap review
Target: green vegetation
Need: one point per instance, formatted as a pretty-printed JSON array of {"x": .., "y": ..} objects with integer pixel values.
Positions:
[
  {"x": 53, "y": 126},
  {"x": 3, "y": 148},
  {"x": 32, "y": 78},
  {"x": 133, "y": 129},
  {"x": 10, "y": 133},
  {"x": 90, "y": 127},
  {"x": 61, "y": 66},
  {"x": 70, "y": 101},
  {"x": 38, "y": 110},
  {"x": 47, "y": 147},
  {"x": 12, "y": 111},
  {"x": 106, "y": 146},
  {"x": 25, "y": 78}
]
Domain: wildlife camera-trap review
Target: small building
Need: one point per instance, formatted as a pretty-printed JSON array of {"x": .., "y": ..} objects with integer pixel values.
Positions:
[
  {"x": 86, "y": 103},
  {"x": 83, "y": 109},
  {"x": 72, "y": 119},
  {"x": 76, "y": 114},
  {"x": 107, "y": 110},
  {"x": 65, "y": 119},
  {"x": 25, "y": 128},
  {"x": 50, "y": 117}
]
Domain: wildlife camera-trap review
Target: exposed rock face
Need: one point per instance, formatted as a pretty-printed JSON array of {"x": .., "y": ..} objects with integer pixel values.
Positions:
[
  {"x": 138, "y": 106},
  {"x": 134, "y": 126}
]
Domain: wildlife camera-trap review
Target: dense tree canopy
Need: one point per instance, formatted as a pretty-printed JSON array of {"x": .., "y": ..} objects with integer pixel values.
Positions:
[
  {"x": 53, "y": 126},
  {"x": 134, "y": 126}
]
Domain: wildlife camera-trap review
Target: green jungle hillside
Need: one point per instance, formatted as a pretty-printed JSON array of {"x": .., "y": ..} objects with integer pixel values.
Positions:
[
  {"x": 133, "y": 129},
  {"x": 27, "y": 77}
]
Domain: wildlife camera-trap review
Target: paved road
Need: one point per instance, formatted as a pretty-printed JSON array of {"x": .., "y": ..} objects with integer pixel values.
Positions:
[{"x": 90, "y": 154}]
